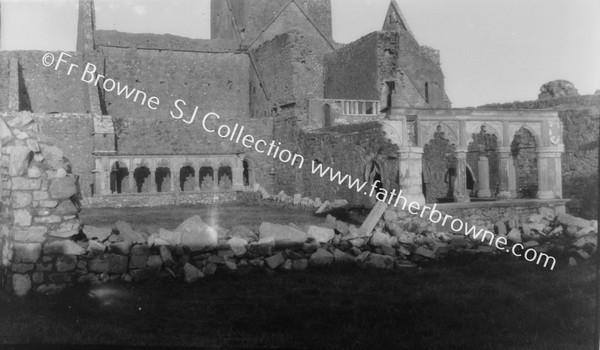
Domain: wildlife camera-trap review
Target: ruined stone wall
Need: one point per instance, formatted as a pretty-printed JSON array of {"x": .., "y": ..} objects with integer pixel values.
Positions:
[
  {"x": 291, "y": 71},
  {"x": 580, "y": 116},
  {"x": 215, "y": 82},
  {"x": 72, "y": 133},
  {"x": 422, "y": 67},
  {"x": 348, "y": 149},
  {"x": 40, "y": 201},
  {"x": 351, "y": 72},
  {"x": 42, "y": 89}
]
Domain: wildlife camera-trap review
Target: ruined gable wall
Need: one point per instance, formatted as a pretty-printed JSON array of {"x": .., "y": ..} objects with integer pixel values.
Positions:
[
  {"x": 421, "y": 64},
  {"x": 351, "y": 72},
  {"x": 43, "y": 89},
  {"x": 216, "y": 82}
]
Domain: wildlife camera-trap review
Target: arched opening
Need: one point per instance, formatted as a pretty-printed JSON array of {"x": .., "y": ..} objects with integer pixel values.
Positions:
[
  {"x": 224, "y": 175},
  {"x": 119, "y": 176},
  {"x": 373, "y": 177},
  {"x": 471, "y": 182},
  {"x": 484, "y": 163},
  {"x": 327, "y": 122},
  {"x": 523, "y": 149},
  {"x": 187, "y": 178},
  {"x": 439, "y": 168},
  {"x": 141, "y": 176},
  {"x": 205, "y": 175},
  {"x": 248, "y": 172},
  {"x": 163, "y": 179}
]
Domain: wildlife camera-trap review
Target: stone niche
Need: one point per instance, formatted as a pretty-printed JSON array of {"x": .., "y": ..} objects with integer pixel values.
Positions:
[{"x": 40, "y": 202}]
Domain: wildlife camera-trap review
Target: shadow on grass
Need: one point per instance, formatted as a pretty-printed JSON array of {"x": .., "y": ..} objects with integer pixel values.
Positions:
[{"x": 462, "y": 303}]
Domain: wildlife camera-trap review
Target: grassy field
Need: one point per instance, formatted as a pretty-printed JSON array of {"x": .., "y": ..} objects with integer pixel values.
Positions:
[{"x": 465, "y": 302}]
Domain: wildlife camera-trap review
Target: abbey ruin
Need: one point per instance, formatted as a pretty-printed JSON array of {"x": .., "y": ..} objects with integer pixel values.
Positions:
[{"x": 375, "y": 109}]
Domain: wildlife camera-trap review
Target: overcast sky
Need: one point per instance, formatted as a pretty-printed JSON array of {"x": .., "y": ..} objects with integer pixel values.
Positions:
[{"x": 491, "y": 50}]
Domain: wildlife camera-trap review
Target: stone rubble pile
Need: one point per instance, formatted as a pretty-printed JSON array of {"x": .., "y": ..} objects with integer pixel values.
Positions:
[
  {"x": 298, "y": 200},
  {"x": 195, "y": 249}
]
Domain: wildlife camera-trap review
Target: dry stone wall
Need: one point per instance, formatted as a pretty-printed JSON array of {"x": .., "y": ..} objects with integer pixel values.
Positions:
[{"x": 39, "y": 197}]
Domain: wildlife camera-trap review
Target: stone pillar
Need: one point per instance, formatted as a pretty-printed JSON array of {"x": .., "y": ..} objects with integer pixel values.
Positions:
[
  {"x": 411, "y": 169},
  {"x": 131, "y": 178},
  {"x": 460, "y": 187},
  {"x": 215, "y": 178},
  {"x": 549, "y": 172},
  {"x": 508, "y": 176},
  {"x": 483, "y": 168},
  {"x": 237, "y": 175},
  {"x": 105, "y": 177},
  {"x": 152, "y": 180}
]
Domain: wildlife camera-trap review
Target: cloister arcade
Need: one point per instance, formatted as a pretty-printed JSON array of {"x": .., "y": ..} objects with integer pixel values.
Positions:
[
  {"x": 121, "y": 174},
  {"x": 459, "y": 155}
]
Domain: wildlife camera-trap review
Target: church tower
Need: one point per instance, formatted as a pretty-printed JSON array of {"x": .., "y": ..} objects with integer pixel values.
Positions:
[{"x": 244, "y": 20}]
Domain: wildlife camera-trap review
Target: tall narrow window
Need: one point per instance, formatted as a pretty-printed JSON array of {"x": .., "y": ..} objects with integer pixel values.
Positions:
[
  {"x": 426, "y": 92},
  {"x": 391, "y": 86}
]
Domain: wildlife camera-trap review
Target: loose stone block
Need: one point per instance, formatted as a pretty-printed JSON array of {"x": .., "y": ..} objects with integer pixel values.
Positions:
[
  {"x": 66, "y": 263},
  {"x": 238, "y": 245},
  {"x": 275, "y": 260},
  {"x": 192, "y": 273},
  {"x": 23, "y": 183},
  {"x": 96, "y": 247},
  {"x": 154, "y": 261},
  {"x": 197, "y": 235},
  {"x": 320, "y": 234},
  {"x": 64, "y": 246},
  {"x": 379, "y": 261},
  {"x": 21, "y": 284},
  {"x": 428, "y": 253},
  {"x": 22, "y": 217},
  {"x": 19, "y": 160},
  {"x": 21, "y": 199},
  {"x": 63, "y": 188},
  {"x": 121, "y": 247},
  {"x": 321, "y": 257},
  {"x": 66, "y": 229},
  {"x": 53, "y": 156},
  {"x": 21, "y": 268},
  {"x": 283, "y": 235},
  {"x": 100, "y": 233},
  {"x": 48, "y": 204},
  {"x": 66, "y": 208},
  {"x": 166, "y": 256},
  {"x": 26, "y": 252},
  {"x": 52, "y": 219}
]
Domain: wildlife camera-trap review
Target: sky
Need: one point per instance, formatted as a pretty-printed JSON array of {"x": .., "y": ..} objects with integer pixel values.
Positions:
[{"x": 491, "y": 50}]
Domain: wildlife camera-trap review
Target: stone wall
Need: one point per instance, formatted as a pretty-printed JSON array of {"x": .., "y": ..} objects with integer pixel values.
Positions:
[
  {"x": 215, "y": 82},
  {"x": 344, "y": 149},
  {"x": 40, "y": 201},
  {"x": 72, "y": 133},
  {"x": 157, "y": 199},
  {"x": 43, "y": 89}
]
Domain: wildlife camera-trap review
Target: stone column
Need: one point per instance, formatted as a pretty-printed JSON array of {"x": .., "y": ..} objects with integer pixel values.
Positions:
[
  {"x": 215, "y": 178},
  {"x": 105, "y": 177},
  {"x": 237, "y": 175},
  {"x": 508, "y": 176},
  {"x": 483, "y": 167},
  {"x": 549, "y": 172},
  {"x": 460, "y": 187},
  {"x": 131, "y": 179},
  {"x": 152, "y": 180},
  {"x": 411, "y": 170}
]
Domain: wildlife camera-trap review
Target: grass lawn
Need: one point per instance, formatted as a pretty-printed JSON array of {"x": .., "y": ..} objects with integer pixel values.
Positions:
[{"x": 465, "y": 302}]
